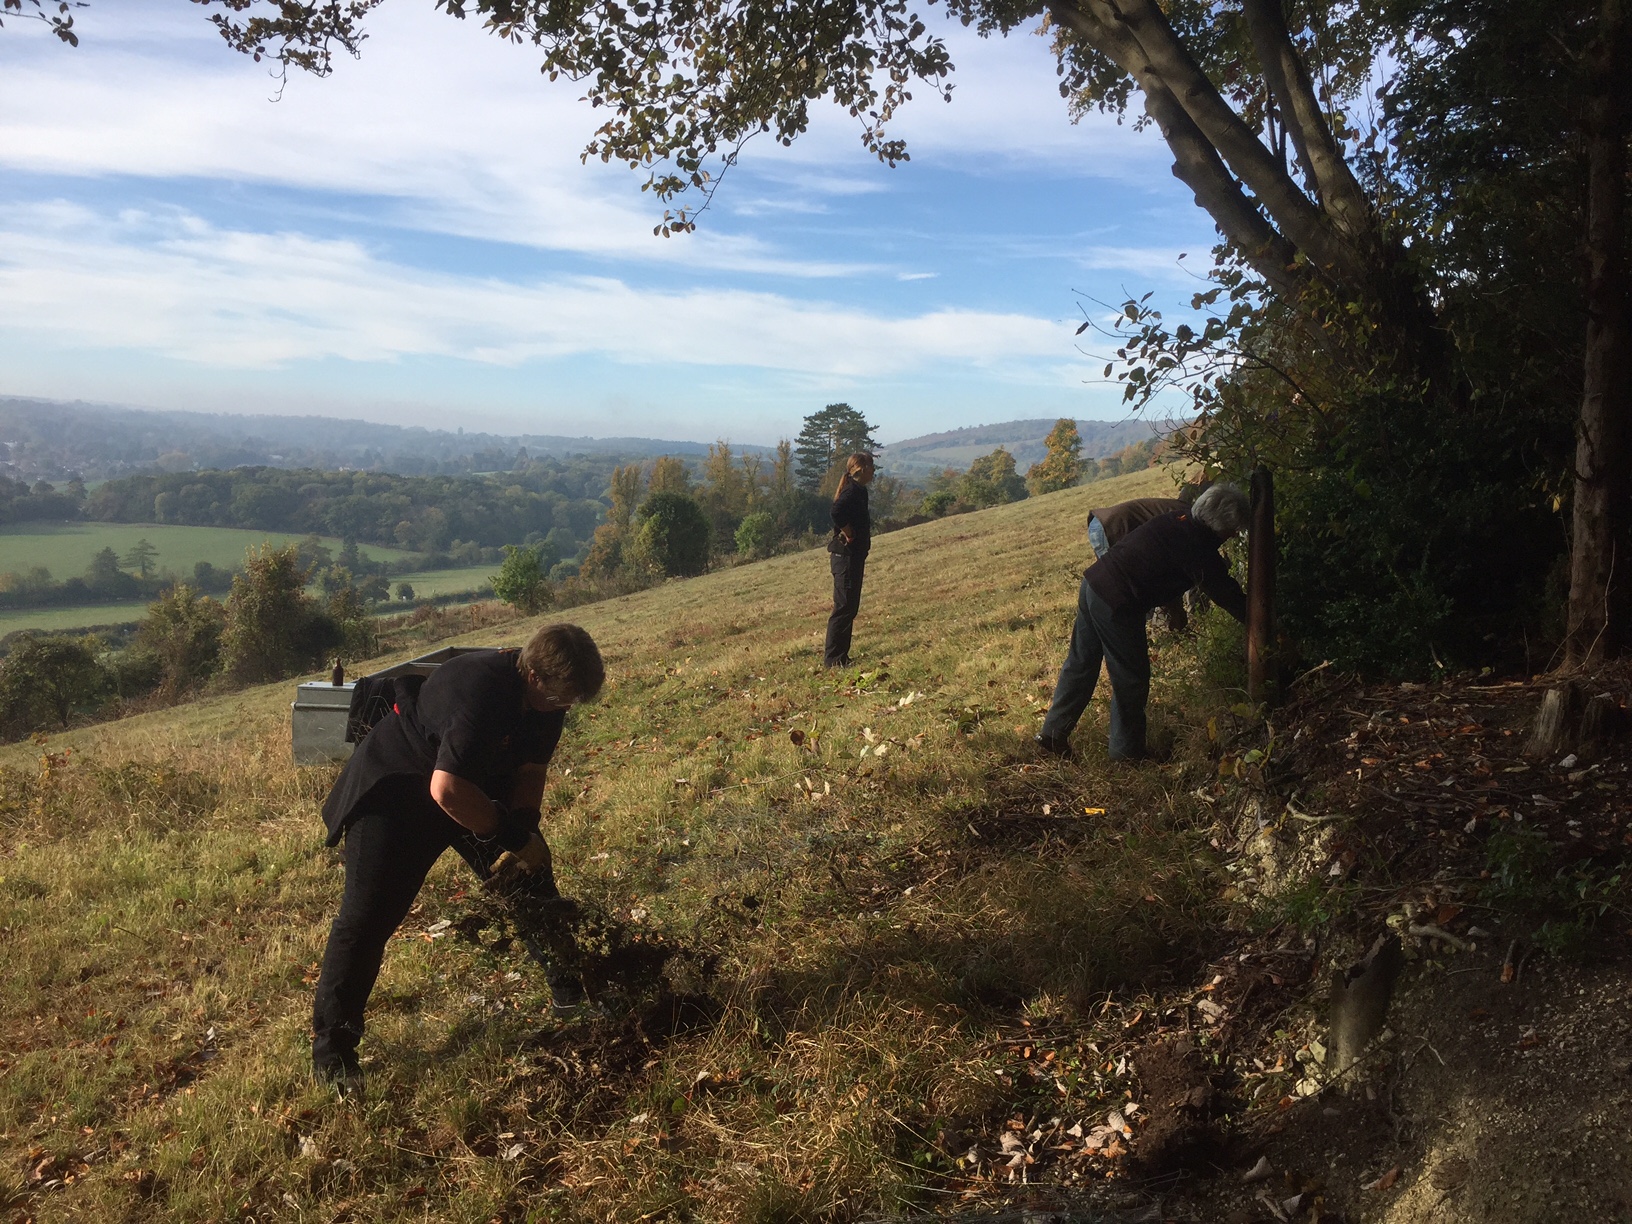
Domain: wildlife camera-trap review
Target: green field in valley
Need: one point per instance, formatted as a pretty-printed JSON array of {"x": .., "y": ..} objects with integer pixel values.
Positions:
[
  {"x": 66, "y": 549},
  {"x": 65, "y": 620},
  {"x": 428, "y": 584}
]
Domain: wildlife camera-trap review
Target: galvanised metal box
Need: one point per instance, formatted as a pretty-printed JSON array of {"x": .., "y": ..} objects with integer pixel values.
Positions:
[{"x": 318, "y": 717}]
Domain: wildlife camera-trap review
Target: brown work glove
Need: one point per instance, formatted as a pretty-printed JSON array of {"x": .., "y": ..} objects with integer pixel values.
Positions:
[{"x": 533, "y": 856}]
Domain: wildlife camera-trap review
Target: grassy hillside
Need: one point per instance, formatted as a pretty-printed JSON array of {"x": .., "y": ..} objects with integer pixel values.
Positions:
[
  {"x": 1025, "y": 440},
  {"x": 66, "y": 549},
  {"x": 899, "y": 928}
]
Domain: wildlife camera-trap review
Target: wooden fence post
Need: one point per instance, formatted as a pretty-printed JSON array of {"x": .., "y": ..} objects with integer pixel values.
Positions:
[{"x": 1261, "y": 590}]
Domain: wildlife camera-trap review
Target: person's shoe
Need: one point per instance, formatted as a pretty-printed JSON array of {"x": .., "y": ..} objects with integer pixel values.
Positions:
[
  {"x": 342, "y": 1072},
  {"x": 1055, "y": 746},
  {"x": 568, "y": 999}
]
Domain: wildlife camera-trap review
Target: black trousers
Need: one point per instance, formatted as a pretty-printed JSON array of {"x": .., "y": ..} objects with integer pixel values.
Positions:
[
  {"x": 847, "y": 574},
  {"x": 390, "y": 849}
]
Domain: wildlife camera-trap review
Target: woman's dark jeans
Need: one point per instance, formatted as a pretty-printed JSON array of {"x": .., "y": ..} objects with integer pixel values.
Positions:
[
  {"x": 847, "y": 575},
  {"x": 1117, "y": 639}
]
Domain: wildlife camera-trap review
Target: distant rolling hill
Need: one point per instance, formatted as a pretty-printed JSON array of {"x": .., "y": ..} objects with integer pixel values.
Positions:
[
  {"x": 50, "y": 439},
  {"x": 956, "y": 448}
]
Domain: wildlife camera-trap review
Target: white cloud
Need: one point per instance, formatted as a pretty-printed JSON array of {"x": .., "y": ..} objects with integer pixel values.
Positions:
[
  {"x": 463, "y": 134},
  {"x": 1006, "y": 107},
  {"x": 441, "y": 132},
  {"x": 172, "y": 285},
  {"x": 455, "y": 130}
]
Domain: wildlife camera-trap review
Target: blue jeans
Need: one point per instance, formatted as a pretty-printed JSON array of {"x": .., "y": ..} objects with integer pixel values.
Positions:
[
  {"x": 1096, "y": 537},
  {"x": 1117, "y": 639}
]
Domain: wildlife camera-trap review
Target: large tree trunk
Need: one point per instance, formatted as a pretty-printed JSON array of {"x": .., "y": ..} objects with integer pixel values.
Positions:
[
  {"x": 1598, "y": 555},
  {"x": 1135, "y": 34}
]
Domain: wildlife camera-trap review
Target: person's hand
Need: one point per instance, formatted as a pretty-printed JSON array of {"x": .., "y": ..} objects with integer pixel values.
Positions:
[
  {"x": 535, "y": 854},
  {"x": 515, "y": 828},
  {"x": 532, "y": 858}
]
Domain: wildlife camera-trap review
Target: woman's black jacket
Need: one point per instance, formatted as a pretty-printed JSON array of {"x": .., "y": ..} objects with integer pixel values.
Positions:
[{"x": 850, "y": 510}]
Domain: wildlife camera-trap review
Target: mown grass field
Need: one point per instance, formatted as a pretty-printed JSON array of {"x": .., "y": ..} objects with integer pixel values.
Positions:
[
  {"x": 66, "y": 620},
  {"x": 66, "y": 549},
  {"x": 870, "y": 924},
  {"x": 430, "y": 583}
]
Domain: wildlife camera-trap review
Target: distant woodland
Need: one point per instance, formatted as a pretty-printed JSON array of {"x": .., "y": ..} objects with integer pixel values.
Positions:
[
  {"x": 427, "y": 514},
  {"x": 42, "y": 502}
]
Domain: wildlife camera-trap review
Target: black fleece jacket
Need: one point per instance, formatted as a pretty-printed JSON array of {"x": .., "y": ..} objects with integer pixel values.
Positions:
[
  {"x": 850, "y": 510},
  {"x": 1159, "y": 561}
]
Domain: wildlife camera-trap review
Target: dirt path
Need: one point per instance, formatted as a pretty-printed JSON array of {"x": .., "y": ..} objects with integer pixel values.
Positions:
[{"x": 1483, "y": 1101}]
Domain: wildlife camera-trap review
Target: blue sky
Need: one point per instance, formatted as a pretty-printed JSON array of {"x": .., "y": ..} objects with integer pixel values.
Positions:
[{"x": 415, "y": 240}]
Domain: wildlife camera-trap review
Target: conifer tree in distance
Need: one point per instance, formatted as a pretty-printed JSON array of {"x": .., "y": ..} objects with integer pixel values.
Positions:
[{"x": 829, "y": 435}]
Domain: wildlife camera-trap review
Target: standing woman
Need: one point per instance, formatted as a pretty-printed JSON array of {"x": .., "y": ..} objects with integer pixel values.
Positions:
[
  {"x": 852, "y": 538},
  {"x": 461, "y": 766}
]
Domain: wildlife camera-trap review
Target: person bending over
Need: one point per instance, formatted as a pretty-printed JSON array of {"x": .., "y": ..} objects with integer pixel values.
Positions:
[
  {"x": 852, "y": 539},
  {"x": 1154, "y": 564},
  {"x": 1109, "y": 524},
  {"x": 462, "y": 765}
]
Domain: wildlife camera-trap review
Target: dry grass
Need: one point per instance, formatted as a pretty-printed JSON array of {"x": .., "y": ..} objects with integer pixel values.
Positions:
[{"x": 857, "y": 928}]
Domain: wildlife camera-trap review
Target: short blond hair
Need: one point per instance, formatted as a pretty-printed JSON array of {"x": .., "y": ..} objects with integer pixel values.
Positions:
[{"x": 566, "y": 661}]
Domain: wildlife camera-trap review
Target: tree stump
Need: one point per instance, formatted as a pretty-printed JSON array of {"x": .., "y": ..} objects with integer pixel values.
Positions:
[
  {"x": 1556, "y": 721},
  {"x": 1600, "y": 723},
  {"x": 1360, "y": 1001}
]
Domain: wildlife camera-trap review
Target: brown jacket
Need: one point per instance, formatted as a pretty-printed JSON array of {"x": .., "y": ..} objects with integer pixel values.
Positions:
[{"x": 1123, "y": 517}]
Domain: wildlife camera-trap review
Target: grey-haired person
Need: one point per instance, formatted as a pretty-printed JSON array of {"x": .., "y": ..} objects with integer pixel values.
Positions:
[{"x": 1153, "y": 565}]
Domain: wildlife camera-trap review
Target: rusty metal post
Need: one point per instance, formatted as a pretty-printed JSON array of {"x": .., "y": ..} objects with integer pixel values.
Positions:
[{"x": 1261, "y": 590}]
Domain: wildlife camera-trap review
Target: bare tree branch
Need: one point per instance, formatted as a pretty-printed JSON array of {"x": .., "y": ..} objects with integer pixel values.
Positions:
[
  {"x": 1301, "y": 116},
  {"x": 1165, "y": 57}
]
